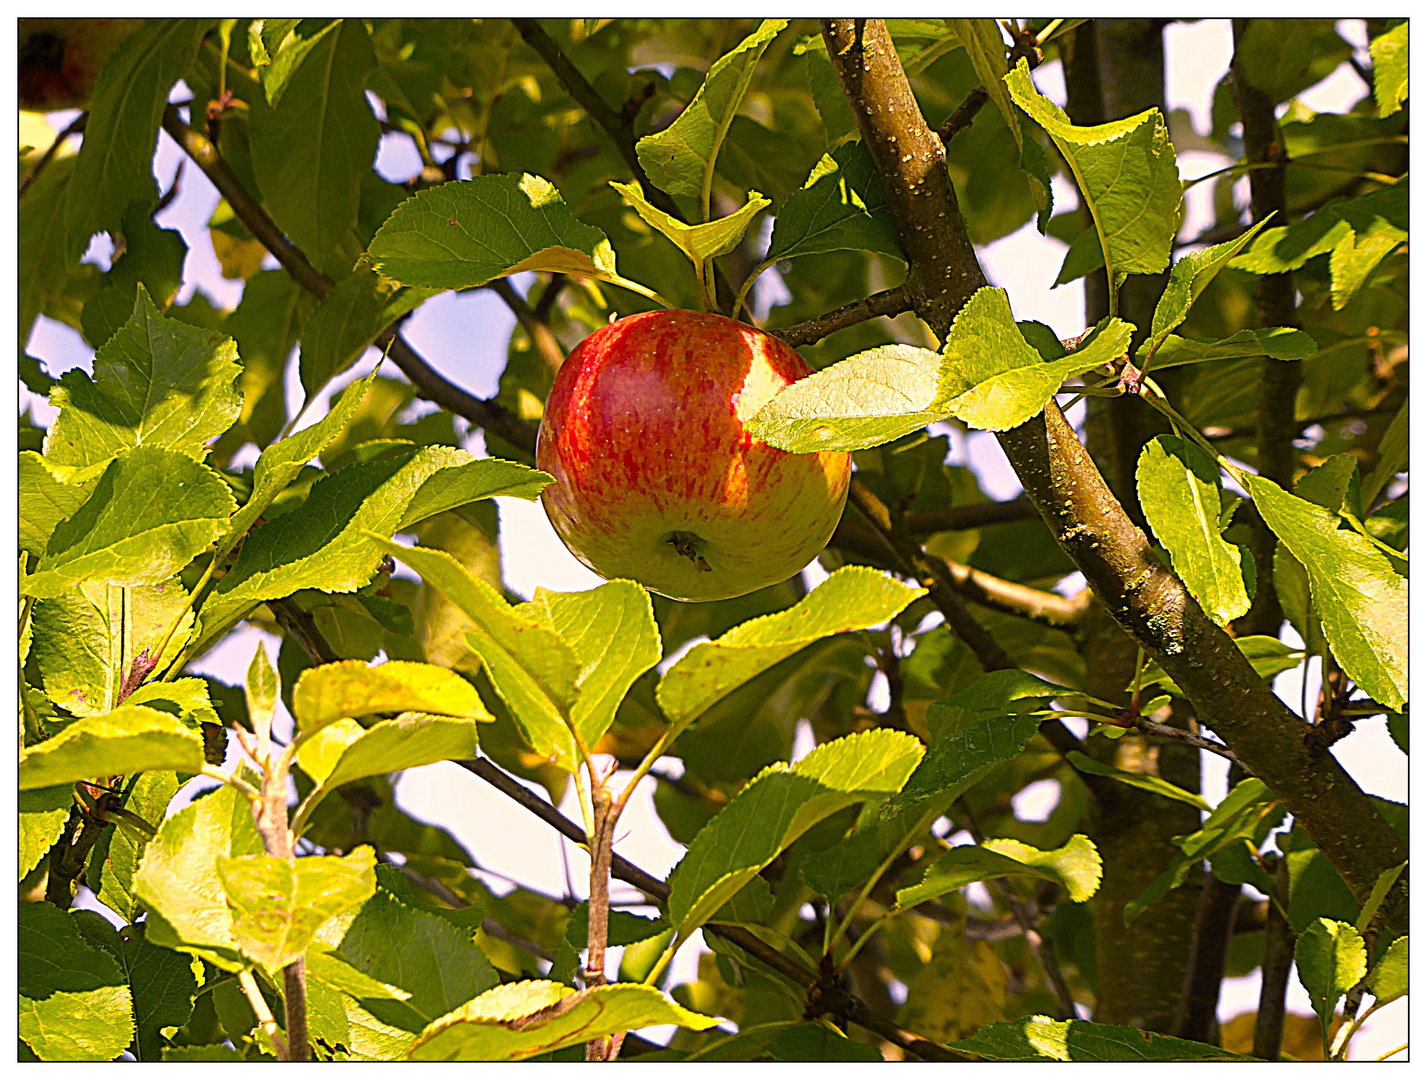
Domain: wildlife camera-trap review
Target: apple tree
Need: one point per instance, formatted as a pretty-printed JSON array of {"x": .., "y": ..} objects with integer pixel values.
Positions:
[{"x": 1212, "y": 494}]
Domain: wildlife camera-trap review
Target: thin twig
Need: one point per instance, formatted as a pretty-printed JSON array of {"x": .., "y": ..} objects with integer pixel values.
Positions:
[
  {"x": 76, "y": 127},
  {"x": 1174, "y": 734},
  {"x": 968, "y": 516},
  {"x": 888, "y": 302},
  {"x": 962, "y": 117}
]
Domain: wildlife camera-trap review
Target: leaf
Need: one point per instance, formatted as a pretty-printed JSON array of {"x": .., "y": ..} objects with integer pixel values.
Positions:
[
  {"x": 130, "y": 739},
  {"x": 147, "y": 516},
  {"x": 162, "y": 985},
  {"x": 1277, "y": 57},
  {"x": 325, "y": 545},
  {"x": 277, "y": 46},
  {"x": 993, "y": 379},
  {"x": 841, "y": 207},
  {"x": 43, "y": 812},
  {"x": 532, "y": 668},
  {"x": 1381, "y": 887},
  {"x": 403, "y": 966},
  {"x": 1188, "y": 279},
  {"x": 114, "y": 860},
  {"x": 349, "y": 689},
  {"x": 698, "y": 242},
  {"x": 1279, "y": 342},
  {"x": 777, "y": 807},
  {"x": 680, "y": 159},
  {"x": 158, "y": 383},
  {"x": 1076, "y": 866},
  {"x": 1388, "y": 979},
  {"x": 404, "y": 742},
  {"x": 1360, "y": 599},
  {"x": 153, "y": 257},
  {"x": 852, "y": 598},
  {"x": 41, "y": 252},
  {"x": 1389, "y": 69},
  {"x": 1331, "y": 960},
  {"x": 45, "y": 499},
  {"x": 469, "y": 232},
  {"x": 338, "y": 331},
  {"x": 1181, "y": 494},
  {"x": 114, "y": 165},
  {"x": 278, "y": 904},
  {"x": 1126, "y": 173},
  {"x": 310, "y": 149},
  {"x": 75, "y": 1004},
  {"x": 615, "y": 639},
  {"x": 828, "y": 98},
  {"x": 523, "y": 1019},
  {"x": 1039, "y": 1038},
  {"x": 1391, "y": 457},
  {"x": 972, "y": 730},
  {"x": 1144, "y": 781},
  {"x": 863, "y": 401},
  {"x": 987, "y": 48},
  {"x": 178, "y": 878}
]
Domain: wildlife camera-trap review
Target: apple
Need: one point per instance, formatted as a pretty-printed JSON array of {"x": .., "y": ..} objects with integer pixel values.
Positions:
[
  {"x": 60, "y": 59},
  {"x": 656, "y": 478}
]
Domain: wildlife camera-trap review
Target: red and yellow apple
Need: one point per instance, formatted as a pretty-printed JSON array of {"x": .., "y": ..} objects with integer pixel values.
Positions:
[{"x": 656, "y": 478}]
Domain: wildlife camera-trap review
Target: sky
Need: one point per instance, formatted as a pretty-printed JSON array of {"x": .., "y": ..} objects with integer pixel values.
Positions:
[{"x": 464, "y": 337}]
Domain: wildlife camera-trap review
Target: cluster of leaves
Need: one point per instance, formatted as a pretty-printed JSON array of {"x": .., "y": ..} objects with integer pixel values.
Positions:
[{"x": 143, "y": 545}]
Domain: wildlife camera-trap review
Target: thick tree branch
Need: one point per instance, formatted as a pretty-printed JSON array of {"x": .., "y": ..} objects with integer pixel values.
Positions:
[
  {"x": 888, "y": 302},
  {"x": 1060, "y": 479},
  {"x": 489, "y": 415}
]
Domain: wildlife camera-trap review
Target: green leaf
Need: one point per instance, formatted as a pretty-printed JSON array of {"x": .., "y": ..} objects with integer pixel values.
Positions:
[
  {"x": 1126, "y": 173},
  {"x": 993, "y": 379},
  {"x": 178, "y": 878},
  {"x": 325, "y": 545},
  {"x": 1181, "y": 494},
  {"x": 698, "y": 242},
  {"x": 1391, "y": 457},
  {"x": 130, "y": 739},
  {"x": 615, "y": 640},
  {"x": 404, "y": 742},
  {"x": 278, "y": 904},
  {"x": 1039, "y": 1038},
  {"x": 114, "y": 860},
  {"x": 532, "y": 668},
  {"x": 1279, "y": 342},
  {"x": 349, "y": 689},
  {"x": 41, "y": 252},
  {"x": 852, "y": 598},
  {"x": 1331, "y": 960},
  {"x": 970, "y": 743},
  {"x": 338, "y": 331},
  {"x": 43, "y": 812},
  {"x": 1143, "y": 781},
  {"x": 1360, "y": 599},
  {"x": 1278, "y": 57},
  {"x": 863, "y": 401},
  {"x": 1384, "y": 883},
  {"x": 403, "y": 967},
  {"x": 158, "y": 383},
  {"x": 469, "y": 232},
  {"x": 162, "y": 985},
  {"x": 114, "y": 166},
  {"x": 1188, "y": 279},
  {"x": 841, "y": 207},
  {"x": 778, "y": 806},
  {"x": 310, "y": 149},
  {"x": 523, "y": 1019},
  {"x": 680, "y": 159},
  {"x": 45, "y": 499},
  {"x": 153, "y": 257},
  {"x": 75, "y": 1003},
  {"x": 828, "y": 98},
  {"x": 1076, "y": 866},
  {"x": 278, "y": 46},
  {"x": 147, "y": 516},
  {"x": 1388, "y": 979},
  {"x": 1389, "y": 69},
  {"x": 987, "y": 48}
]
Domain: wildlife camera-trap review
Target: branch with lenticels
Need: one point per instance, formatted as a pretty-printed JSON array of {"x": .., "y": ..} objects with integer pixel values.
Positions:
[{"x": 1060, "y": 479}]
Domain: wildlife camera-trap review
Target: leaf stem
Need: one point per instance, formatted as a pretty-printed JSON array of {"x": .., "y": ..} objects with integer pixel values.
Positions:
[
  {"x": 236, "y": 782},
  {"x": 260, "y": 1009},
  {"x": 923, "y": 822}
]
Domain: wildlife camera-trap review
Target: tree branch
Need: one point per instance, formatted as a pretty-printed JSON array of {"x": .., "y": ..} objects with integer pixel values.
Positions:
[
  {"x": 1277, "y": 965},
  {"x": 962, "y": 117},
  {"x": 1070, "y": 494},
  {"x": 888, "y": 302},
  {"x": 542, "y": 339},
  {"x": 969, "y": 516},
  {"x": 488, "y": 415},
  {"x": 76, "y": 127}
]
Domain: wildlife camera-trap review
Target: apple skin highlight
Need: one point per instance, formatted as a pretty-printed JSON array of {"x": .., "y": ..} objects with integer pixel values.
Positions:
[{"x": 655, "y": 477}]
